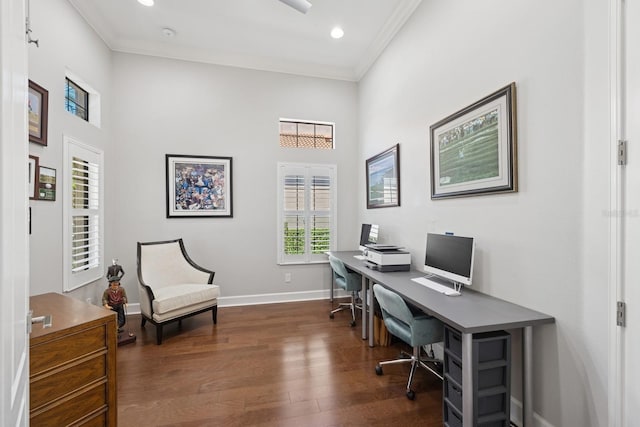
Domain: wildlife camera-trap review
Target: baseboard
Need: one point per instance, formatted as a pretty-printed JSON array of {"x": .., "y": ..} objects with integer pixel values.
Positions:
[
  {"x": 134, "y": 308},
  {"x": 278, "y": 298},
  {"x": 516, "y": 415}
]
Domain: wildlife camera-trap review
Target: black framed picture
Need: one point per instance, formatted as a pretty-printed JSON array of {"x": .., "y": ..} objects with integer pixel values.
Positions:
[
  {"x": 46, "y": 183},
  {"x": 199, "y": 186}
]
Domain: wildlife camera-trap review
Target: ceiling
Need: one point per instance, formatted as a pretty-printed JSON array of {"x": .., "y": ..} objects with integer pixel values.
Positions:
[{"x": 257, "y": 34}]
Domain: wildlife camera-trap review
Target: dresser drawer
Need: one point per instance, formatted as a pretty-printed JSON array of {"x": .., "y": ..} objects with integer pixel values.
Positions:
[
  {"x": 50, "y": 387},
  {"x": 72, "y": 410},
  {"x": 51, "y": 354}
]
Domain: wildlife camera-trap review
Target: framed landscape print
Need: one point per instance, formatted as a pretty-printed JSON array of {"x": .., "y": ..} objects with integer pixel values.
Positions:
[
  {"x": 47, "y": 184},
  {"x": 383, "y": 179},
  {"x": 38, "y": 113},
  {"x": 198, "y": 186},
  {"x": 473, "y": 151}
]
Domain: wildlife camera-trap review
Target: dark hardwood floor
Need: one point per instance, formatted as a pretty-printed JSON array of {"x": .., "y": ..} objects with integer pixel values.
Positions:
[{"x": 268, "y": 365}]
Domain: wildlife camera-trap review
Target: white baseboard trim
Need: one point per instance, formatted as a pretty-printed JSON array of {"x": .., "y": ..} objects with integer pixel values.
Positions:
[
  {"x": 516, "y": 415},
  {"x": 278, "y": 298},
  {"x": 134, "y": 308}
]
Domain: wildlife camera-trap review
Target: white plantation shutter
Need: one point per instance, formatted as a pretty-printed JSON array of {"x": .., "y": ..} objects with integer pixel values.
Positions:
[
  {"x": 306, "y": 212},
  {"x": 83, "y": 213}
]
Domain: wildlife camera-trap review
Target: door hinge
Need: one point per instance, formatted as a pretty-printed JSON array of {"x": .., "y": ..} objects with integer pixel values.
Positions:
[
  {"x": 622, "y": 152},
  {"x": 621, "y": 313}
]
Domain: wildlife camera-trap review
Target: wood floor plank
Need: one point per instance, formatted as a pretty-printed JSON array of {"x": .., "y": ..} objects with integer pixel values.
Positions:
[{"x": 268, "y": 365}]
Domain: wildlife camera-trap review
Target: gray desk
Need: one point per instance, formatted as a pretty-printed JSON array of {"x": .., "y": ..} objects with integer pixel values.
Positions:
[{"x": 472, "y": 312}]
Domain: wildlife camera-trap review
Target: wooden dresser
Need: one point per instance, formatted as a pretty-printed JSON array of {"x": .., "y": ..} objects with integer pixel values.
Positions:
[{"x": 72, "y": 364}]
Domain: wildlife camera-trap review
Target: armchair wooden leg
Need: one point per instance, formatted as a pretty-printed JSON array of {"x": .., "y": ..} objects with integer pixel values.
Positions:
[
  {"x": 214, "y": 312},
  {"x": 144, "y": 321},
  {"x": 159, "y": 334}
]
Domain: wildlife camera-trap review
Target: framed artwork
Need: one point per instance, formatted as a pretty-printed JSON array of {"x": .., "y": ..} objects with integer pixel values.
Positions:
[
  {"x": 38, "y": 113},
  {"x": 47, "y": 184},
  {"x": 199, "y": 186},
  {"x": 473, "y": 151},
  {"x": 34, "y": 165},
  {"x": 383, "y": 179}
]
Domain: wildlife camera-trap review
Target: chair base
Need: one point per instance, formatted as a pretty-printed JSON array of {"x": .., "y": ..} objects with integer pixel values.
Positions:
[
  {"x": 415, "y": 360},
  {"x": 347, "y": 306},
  {"x": 159, "y": 325}
]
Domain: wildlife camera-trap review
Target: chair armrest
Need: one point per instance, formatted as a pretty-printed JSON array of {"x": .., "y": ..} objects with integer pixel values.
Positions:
[{"x": 146, "y": 298}]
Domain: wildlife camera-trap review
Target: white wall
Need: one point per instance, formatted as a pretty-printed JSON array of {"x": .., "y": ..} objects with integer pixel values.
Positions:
[
  {"x": 66, "y": 42},
  {"x": 530, "y": 243},
  {"x": 167, "y": 106}
]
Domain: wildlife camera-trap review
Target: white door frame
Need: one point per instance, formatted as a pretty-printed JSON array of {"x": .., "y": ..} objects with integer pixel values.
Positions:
[{"x": 617, "y": 219}]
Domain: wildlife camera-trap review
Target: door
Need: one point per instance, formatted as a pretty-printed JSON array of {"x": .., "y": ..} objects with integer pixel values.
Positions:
[
  {"x": 14, "y": 250},
  {"x": 630, "y": 292},
  {"x": 625, "y": 66}
]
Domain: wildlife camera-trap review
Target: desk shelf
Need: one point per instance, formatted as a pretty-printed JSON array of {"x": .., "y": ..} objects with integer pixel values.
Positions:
[{"x": 491, "y": 370}]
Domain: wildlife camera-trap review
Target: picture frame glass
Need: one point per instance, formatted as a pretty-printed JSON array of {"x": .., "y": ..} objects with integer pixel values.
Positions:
[
  {"x": 35, "y": 113},
  {"x": 47, "y": 184},
  {"x": 199, "y": 186}
]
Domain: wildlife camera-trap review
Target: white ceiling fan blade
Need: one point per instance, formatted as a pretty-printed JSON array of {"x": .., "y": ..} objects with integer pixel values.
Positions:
[{"x": 299, "y": 5}]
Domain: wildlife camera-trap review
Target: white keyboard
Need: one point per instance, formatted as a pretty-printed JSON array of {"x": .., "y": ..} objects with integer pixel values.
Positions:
[
  {"x": 436, "y": 286},
  {"x": 360, "y": 257}
]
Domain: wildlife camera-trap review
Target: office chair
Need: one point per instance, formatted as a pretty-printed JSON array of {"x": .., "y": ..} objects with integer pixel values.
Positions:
[
  {"x": 350, "y": 282},
  {"x": 416, "y": 330}
]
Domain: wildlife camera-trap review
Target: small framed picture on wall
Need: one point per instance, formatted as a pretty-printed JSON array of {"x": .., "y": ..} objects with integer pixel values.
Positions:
[
  {"x": 34, "y": 165},
  {"x": 38, "y": 113},
  {"x": 47, "y": 184}
]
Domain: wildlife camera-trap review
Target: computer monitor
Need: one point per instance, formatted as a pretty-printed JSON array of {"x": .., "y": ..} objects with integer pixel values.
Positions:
[
  {"x": 368, "y": 235},
  {"x": 450, "y": 257}
]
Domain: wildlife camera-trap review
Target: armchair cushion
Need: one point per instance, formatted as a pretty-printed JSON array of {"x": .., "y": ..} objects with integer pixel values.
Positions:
[{"x": 174, "y": 297}]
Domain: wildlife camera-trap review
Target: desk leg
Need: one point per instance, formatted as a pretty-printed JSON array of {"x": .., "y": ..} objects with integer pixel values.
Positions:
[
  {"x": 527, "y": 375},
  {"x": 467, "y": 380},
  {"x": 371, "y": 297},
  {"x": 363, "y": 297},
  {"x": 331, "y": 285}
]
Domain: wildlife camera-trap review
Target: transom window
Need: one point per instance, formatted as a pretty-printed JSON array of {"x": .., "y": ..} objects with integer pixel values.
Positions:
[
  {"x": 76, "y": 100},
  {"x": 304, "y": 134}
]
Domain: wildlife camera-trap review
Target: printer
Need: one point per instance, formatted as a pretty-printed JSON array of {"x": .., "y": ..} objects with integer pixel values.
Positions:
[{"x": 387, "y": 258}]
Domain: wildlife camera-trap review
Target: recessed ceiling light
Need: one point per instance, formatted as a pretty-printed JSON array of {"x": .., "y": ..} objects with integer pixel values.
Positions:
[
  {"x": 146, "y": 2},
  {"x": 337, "y": 33}
]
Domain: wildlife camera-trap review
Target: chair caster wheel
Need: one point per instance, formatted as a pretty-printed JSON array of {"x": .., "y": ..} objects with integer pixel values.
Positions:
[
  {"x": 353, "y": 323},
  {"x": 378, "y": 370},
  {"x": 331, "y": 316},
  {"x": 411, "y": 395}
]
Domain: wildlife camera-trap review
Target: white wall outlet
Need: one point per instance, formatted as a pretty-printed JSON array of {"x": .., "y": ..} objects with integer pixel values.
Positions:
[
  {"x": 287, "y": 277},
  {"x": 89, "y": 300}
]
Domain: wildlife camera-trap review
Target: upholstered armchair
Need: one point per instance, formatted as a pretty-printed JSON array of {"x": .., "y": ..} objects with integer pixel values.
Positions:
[{"x": 172, "y": 286}]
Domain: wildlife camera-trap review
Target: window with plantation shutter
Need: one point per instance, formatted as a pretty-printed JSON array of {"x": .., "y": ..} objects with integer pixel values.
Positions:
[
  {"x": 83, "y": 213},
  {"x": 306, "y": 212}
]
